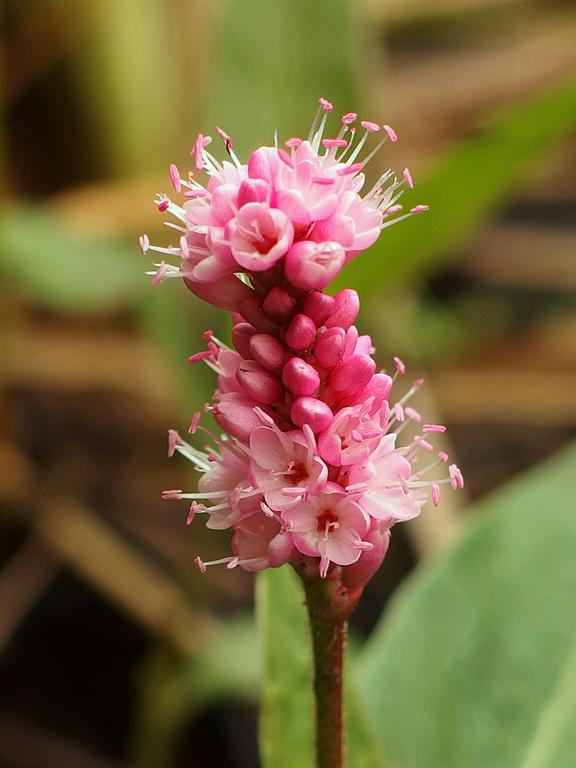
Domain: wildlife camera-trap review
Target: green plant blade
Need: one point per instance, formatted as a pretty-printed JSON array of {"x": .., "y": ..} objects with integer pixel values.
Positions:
[
  {"x": 274, "y": 66},
  {"x": 471, "y": 652},
  {"x": 286, "y": 687},
  {"x": 554, "y": 743},
  {"x": 465, "y": 187},
  {"x": 65, "y": 271},
  {"x": 286, "y": 721}
]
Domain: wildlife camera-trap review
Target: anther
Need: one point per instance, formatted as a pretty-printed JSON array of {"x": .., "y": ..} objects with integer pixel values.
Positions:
[{"x": 391, "y": 132}]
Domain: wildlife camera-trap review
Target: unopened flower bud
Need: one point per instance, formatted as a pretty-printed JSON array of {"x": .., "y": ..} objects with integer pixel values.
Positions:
[
  {"x": 348, "y": 377},
  {"x": 279, "y": 304},
  {"x": 300, "y": 377},
  {"x": 258, "y": 383},
  {"x": 235, "y": 414},
  {"x": 356, "y": 576},
  {"x": 318, "y": 306},
  {"x": 311, "y": 411},
  {"x": 301, "y": 332},
  {"x": 268, "y": 351},
  {"x": 228, "y": 292},
  {"x": 351, "y": 341},
  {"x": 252, "y": 312},
  {"x": 347, "y": 306},
  {"x": 378, "y": 387},
  {"x": 241, "y": 335},
  {"x": 329, "y": 347}
]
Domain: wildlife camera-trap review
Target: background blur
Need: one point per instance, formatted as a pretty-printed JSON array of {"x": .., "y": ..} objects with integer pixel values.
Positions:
[{"x": 114, "y": 651}]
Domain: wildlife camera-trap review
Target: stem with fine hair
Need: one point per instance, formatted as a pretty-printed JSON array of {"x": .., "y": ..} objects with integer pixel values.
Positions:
[{"x": 329, "y": 606}]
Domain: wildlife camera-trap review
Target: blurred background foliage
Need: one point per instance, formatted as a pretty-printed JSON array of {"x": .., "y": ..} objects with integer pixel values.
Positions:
[{"x": 114, "y": 651}]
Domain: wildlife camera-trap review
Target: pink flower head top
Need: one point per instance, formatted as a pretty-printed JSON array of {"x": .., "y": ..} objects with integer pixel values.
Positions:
[{"x": 310, "y": 464}]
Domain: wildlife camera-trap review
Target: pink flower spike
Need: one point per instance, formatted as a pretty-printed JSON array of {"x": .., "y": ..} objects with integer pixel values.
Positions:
[
  {"x": 419, "y": 208},
  {"x": 326, "y": 105},
  {"x": 408, "y": 178},
  {"x": 368, "y": 126},
  {"x": 433, "y": 428},
  {"x": 175, "y": 178},
  {"x": 391, "y": 132},
  {"x": 195, "y": 423},
  {"x": 144, "y": 243},
  {"x": 350, "y": 170},
  {"x": 200, "y": 564},
  {"x": 436, "y": 494},
  {"x": 400, "y": 367},
  {"x": 173, "y": 442},
  {"x": 348, "y": 118}
]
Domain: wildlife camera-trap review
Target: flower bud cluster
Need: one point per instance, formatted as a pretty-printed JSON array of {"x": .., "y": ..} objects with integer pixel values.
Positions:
[{"x": 310, "y": 465}]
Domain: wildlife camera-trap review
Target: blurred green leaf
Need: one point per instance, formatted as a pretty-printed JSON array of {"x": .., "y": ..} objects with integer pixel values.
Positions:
[
  {"x": 465, "y": 187},
  {"x": 286, "y": 689},
  {"x": 137, "y": 81},
  {"x": 465, "y": 666},
  {"x": 275, "y": 59},
  {"x": 64, "y": 270},
  {"x": 286, "y": 732},
  {"x": 230, "y": 665},
  {"x": 554, "y": 743}
]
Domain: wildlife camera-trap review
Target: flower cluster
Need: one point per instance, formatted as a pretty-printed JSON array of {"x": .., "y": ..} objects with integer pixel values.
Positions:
[{"x": 310, "y": 465}]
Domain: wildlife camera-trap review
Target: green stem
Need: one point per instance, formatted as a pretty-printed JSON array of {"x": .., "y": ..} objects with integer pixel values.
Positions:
[{"x": 329, "y": 606}]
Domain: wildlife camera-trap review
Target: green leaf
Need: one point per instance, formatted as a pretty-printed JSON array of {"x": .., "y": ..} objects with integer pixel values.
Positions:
[
  {"x": 286, "y": 721},
  {"x": 229, "y": 666},
  {"x": 276, "y": 59},
  {"x": 286, "y": 693},
  {"x": 472, "y": 651},
  {"x": 66, "y": 271},
  {"x": 466, "y": 186},
  {"x": 554, "y": 743}
]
